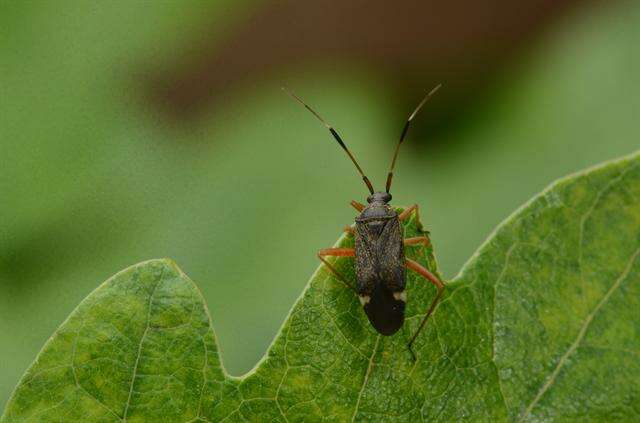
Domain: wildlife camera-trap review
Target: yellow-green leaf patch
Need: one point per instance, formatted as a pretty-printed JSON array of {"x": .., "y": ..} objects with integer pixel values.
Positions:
[{"x": 542, "y": 323}]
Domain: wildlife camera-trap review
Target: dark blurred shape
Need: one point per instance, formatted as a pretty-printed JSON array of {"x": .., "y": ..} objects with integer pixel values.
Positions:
[{"x": 412, "y": 44}]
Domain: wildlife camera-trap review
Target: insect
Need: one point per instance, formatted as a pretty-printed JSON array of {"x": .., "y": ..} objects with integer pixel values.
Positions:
[{"x": 379, "y": 248}]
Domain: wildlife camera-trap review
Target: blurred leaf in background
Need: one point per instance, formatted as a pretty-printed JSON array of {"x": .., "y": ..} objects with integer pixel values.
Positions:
[
  {"x": 464, "y": 43},
  {"x": 92, "y": 179}
]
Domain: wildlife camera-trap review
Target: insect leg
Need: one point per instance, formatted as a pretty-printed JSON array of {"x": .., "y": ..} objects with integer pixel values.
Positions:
[
  {"x": 337, "y": 252},
  {"x": 417, "y": 240},
  {"x": 410, "y": 264},
  {"x": 407, "y": 212},
  {"x": 350, "y": 230},
  {"x": 357, "y": 206}
]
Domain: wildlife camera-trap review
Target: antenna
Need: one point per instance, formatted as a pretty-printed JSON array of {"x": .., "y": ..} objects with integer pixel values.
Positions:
[
  {"x": 404, "y": 132},
  {"x": 335, "y": 135}
]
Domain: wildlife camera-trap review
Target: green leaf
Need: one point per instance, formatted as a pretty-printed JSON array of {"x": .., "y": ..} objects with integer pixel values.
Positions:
[{"x": 542, "y": 323}]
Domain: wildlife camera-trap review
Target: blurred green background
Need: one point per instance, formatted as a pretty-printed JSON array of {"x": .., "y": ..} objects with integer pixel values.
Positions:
[{"x": 137, "y": 130}]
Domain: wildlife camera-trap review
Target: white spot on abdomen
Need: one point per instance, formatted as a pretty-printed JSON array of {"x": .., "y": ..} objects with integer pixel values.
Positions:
[{"x": 400, "y": 296}]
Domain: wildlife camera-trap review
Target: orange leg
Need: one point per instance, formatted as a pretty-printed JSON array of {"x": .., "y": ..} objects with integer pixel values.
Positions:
[
  {"x": 407, "y": 212},
  {"x": 337, "y": 252},
  {"x": 357, "y": 206},
  {"x": 350, "y": 230},
  {"x": 410, "y": 264},
  {"x": 417, "y": 240}
]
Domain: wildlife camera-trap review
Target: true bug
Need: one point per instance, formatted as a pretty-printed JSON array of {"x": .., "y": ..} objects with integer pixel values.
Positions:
[{"x": 379, "y": 247}]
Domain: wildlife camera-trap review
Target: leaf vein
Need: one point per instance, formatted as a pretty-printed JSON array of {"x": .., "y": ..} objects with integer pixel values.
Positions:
[
  {"x": 142, "y": 338},
  {"x": 366, "y": 378},
  {"x": 583, "y": 330},
  {"x": 493, "y": 321}
]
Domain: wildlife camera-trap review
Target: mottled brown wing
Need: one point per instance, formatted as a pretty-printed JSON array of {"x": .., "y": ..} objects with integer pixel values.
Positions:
[
  {"x": 365, "y": 260},
  {"x": 391, "y": 256},
  {"x": 379, "y": 257}
]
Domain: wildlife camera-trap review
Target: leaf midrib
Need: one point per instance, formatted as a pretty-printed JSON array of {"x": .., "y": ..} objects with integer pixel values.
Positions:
[
  {"x": 366, "y": 377},
  {"x": 142, "y": 338},
  {"x": 583, "y": 330}
]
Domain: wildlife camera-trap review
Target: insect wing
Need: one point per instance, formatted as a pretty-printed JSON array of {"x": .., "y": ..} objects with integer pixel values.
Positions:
[
  {"x": 391, "y": 257},
  {"x": 365, "y": 261}
]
